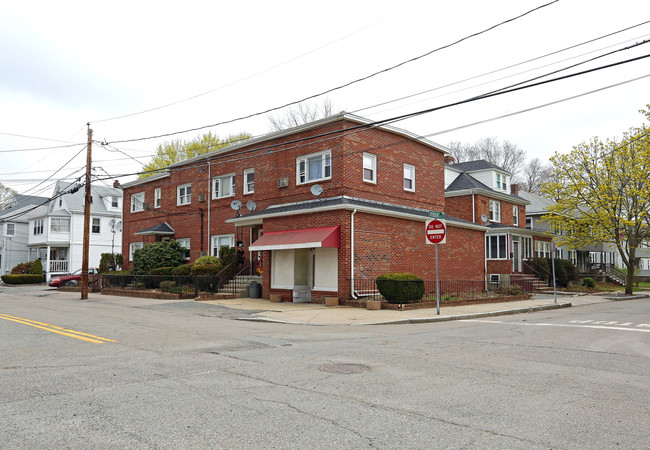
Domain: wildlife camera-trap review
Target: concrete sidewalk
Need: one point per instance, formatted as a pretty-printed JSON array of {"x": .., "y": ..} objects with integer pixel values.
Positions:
[{"x": 314, "y": 314}]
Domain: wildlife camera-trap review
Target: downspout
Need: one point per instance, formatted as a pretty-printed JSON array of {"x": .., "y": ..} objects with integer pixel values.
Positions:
[
  {"x": 485, "y": 259},
  {"x": 209, "y": 199},
  {"x": 352, "y": 254},
  {"x": 473, "y": 209}
]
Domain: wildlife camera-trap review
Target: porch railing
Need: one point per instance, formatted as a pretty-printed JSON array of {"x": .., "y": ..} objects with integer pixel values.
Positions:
[{"x": 59, "y": 266}]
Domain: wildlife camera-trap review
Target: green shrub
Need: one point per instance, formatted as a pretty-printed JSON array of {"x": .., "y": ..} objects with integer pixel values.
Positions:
[
  {"x": 110, "y": 262},
  {"x": 400, "y": 287},
  {"x": 588, "y": 282},
  {"x": 22, "y": 278},
  {"x": 157, "y": 254},
  {"x": 36, "y": 268},
  {"x": 161, "y": 271},
  {"x": 561, "y": 276},
  {"x": 183, "y": 270},
  {"x": 207, "y": 259},
  {"x": 167, "y": 286},
  {"x": 542, "y": 268},
  {"x": 203, "y": 270},
  {"x": 21, "y": 268}
]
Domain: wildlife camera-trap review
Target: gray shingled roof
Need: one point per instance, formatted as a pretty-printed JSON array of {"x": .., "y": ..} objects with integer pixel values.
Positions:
[
  {"x": 466, "y": 181},
  {"x": 538, "y": 204},
  {"x": 75, "y": 201},
  {"x": 161, "y": 228},
  {"x": 342, "y": 201},
  {"x": 472, "y": 166}
]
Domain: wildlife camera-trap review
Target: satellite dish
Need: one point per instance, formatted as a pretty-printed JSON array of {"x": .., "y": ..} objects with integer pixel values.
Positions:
[
  {"x": 119, "y": 226},
  {"x": 251, "y": 205},
  {"x": 484, "y": 218},
  {"x": 235, "y": 204},
  {"x": 317, "y": 190}
]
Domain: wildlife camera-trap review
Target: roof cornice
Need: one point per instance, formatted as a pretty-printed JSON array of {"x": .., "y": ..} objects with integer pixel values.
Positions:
[{"x": 491, "y": 194}]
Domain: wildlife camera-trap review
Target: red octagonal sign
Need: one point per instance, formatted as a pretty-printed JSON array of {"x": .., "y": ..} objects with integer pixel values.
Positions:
[{"x": 436, "y": 231}]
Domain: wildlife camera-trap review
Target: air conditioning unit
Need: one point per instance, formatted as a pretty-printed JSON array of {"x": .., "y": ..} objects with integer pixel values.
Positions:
[
  {"x": 283, "y": 182},
  {"x": 201, "y": 197},
  {"x": 147, "y": 206}
]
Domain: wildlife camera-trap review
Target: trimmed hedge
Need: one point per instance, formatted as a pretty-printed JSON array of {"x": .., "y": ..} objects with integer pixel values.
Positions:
[
  {"x": 183, "y": 270},
  {"x": 22, "y": 278},
  {"x": 207, "y": 259},
  {"x": 161, "y": 271},
  {"x": 400, "y": 287},
  {"x": 204, "y": 270}
]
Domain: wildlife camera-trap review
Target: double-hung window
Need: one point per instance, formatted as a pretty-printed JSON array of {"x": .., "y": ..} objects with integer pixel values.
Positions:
[
  {"x": 498, "y": 181},
  {"x": 496, "y": 246},
  {"x": 409, "y": 177},
  {"x": 185, "y": 243},
  {"x": 11, "y": 229},
  {"x": 59, "y": 224},
  {"x": 249, "y": 181},
  {"x": 495, "y": 211},
  {"x": 114, "y": 202},
  {"x": 157, "y": 198},
  {"x": 223, "y": 186},
  {"x": 96, "y": 226},
  {"x": 137, "y": 202},
  {"x": 314, "y": 167},
  {"x": 184, "y": 194},
  {"x": 528, "y": 247},
  {"x": 515, "y": 215},
  {"x": 133, "y": 246},
  {"x": 38, "y": 226},
  {"x": 224, "y": 240},
  {"x": 369, "y": 168}
]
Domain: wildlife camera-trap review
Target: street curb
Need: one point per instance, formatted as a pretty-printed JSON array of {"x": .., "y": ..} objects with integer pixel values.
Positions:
[
  {"x": 618, "y": 298},
  {"x": 502, "y": 312}
]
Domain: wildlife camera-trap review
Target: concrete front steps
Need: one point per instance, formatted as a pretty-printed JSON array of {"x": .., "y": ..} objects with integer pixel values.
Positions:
[
  {"x": 537, "y": 284},
  {"x": 238, "y": 287}
]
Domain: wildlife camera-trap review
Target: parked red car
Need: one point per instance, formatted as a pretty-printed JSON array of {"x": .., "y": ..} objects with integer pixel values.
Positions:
[{"x": 71, "y": 279}]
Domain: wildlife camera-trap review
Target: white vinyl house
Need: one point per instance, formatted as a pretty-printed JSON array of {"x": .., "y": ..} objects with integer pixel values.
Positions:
[
  {"x": 14, "y": 230},
  {"x": 56, "y": 237}
]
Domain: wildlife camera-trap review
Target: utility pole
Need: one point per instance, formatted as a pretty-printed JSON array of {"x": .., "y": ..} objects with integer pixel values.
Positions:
[{"x": 87, "y": 202}]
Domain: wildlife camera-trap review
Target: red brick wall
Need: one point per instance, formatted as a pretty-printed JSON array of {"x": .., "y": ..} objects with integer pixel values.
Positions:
[
  {"x": 461, "y": 207},
  {"x": 277, "y": 159}
]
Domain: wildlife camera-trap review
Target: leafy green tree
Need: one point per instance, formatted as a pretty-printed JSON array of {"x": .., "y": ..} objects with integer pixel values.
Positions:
[
  {"x": 602, "y": 190},
  {"x": 177, "y": 150},
  {"x": 110, "y": 262},
  {"x": 157, "y": 254}
]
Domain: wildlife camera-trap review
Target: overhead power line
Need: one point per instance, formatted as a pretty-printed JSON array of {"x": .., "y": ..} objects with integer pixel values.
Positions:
[{"x": 358, "y": 80}]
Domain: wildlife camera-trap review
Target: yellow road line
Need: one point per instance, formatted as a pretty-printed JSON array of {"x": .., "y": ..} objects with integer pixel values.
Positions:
[{"x": 57, "y": 329}]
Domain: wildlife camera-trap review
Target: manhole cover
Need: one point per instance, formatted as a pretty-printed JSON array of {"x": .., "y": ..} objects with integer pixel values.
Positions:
[{"x": 345, "y": 369}]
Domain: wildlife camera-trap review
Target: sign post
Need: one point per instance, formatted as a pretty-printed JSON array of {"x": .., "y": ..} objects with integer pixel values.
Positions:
[{"x": 436, "y": 233}]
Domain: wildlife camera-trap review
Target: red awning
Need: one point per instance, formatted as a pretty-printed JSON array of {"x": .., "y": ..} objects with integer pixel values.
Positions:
[{"x": 306, "y": 238}]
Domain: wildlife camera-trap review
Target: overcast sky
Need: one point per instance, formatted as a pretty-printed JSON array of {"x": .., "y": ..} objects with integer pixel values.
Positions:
[{"x": 63, "y": 64}]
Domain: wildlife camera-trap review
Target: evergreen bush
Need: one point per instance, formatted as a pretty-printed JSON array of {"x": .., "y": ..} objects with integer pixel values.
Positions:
[
  {"x": 157, "y": 254},
  {"x": 22, "y": 278},
  {"x": 182, "y": 270},
  {"x": 36, "y": 268},
  {"x": 400, "y": 287}
]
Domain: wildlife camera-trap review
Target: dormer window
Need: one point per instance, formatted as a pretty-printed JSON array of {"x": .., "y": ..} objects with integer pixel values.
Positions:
[{"x": 498, "y": 181}]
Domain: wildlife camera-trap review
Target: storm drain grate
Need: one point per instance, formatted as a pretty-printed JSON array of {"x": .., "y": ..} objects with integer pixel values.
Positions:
[{"x": 345, "y": 369}]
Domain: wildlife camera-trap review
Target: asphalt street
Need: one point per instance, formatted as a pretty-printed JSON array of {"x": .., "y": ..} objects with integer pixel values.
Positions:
[{"x": 184, "y": 374}]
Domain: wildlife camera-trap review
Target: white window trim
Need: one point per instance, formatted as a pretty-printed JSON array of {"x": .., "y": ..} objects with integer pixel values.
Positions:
[
  {"x": 245, "y": 183},
  {"x": 185, "y": 198},
  {"x": 515, "y": 215},
  {"x": 157, "y": 198},
  {"x": 412, "y": 189},
  {"x": 487, "y": 250},
  {"x": 182, "y": 241},
  {"x": 92, "y": 225},
  {"x": 305, "y": 158},
  {"x": 498, "y": 182},
  {"x": 60, "y": 221},
  {"x": 133, "y": 246},
  {"x": 231, "y": 182},
  {"x": 373, "y": 167},
  {"x": 38, "y": 227},
  {"x": 7, "y": 229},
  {"x": 137, "y": 205},
  {"x": 117, "y": 201},
  {"x": 216, "y": 237},
  {"x": 495, "y": 216}
]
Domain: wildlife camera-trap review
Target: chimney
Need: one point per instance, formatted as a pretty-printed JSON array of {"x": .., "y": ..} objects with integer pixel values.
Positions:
[
  {"x": 449, "y": 159},
  {"x": 514, "y": 189},
  {"x": 116, "y": 184}
]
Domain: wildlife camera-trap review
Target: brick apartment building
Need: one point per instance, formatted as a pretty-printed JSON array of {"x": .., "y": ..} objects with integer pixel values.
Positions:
[
  {"x": 317, "y": 205},
  {"x": 483, "y": 193}
]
